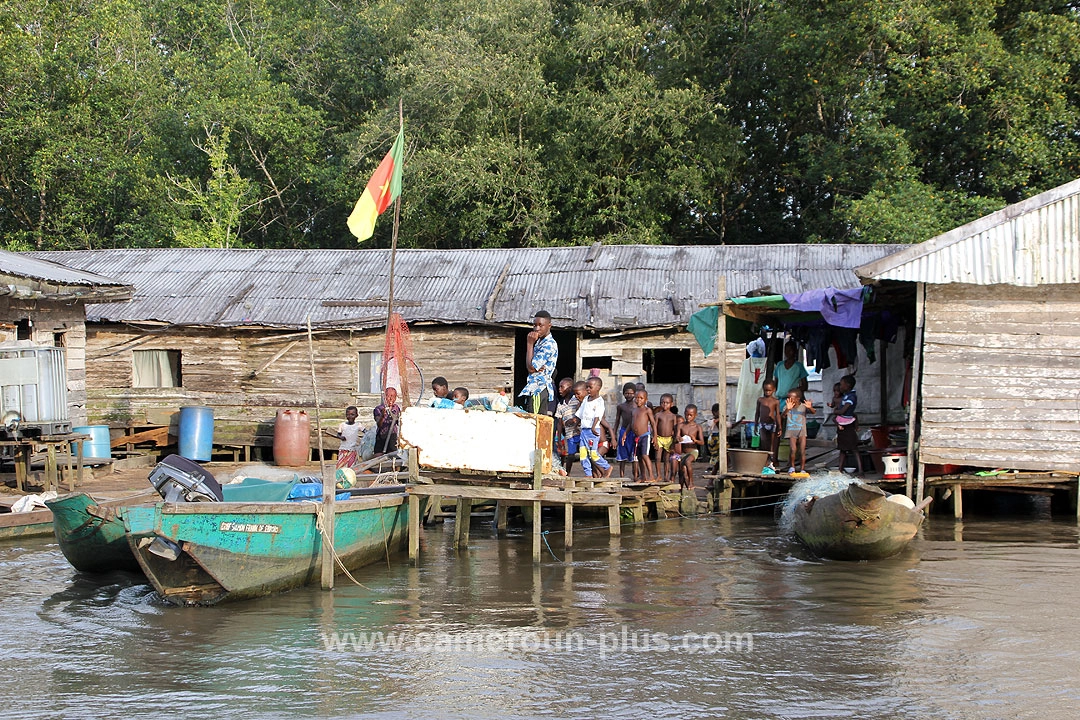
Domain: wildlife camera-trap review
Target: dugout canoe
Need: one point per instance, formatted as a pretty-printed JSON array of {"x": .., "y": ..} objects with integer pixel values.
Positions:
[
  {"x": 857, "y": 523},
  {"x": 90, "y": 534}
]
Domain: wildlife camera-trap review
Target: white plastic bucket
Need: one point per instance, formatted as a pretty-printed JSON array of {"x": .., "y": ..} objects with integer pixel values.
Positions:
[{"x": 895, "y": 466}]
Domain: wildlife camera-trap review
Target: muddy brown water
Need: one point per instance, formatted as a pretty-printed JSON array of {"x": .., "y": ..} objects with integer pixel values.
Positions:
[{"x": 685, "y": 618}]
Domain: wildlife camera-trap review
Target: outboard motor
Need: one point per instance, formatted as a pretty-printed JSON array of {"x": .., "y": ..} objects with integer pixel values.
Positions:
[{"x": 178, "y": 479}]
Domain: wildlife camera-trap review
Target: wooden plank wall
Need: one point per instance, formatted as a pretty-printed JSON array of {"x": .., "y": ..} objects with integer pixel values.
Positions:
[
  {"x": 1001, "y": 380},
  {"x": 626, "y": 366},
  {"x": 219, "y": 366},
  {"x": 47, "y": 319}
]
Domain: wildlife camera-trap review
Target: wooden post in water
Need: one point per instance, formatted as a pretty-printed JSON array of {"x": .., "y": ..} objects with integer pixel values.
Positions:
[
  {"x": 536, "y": 509},
  {"x": 414, "y": 528},
  {"x": 913, "y": 392},
  {"x": 328, "y": 483},
  {"x": 721, "y": 388}
]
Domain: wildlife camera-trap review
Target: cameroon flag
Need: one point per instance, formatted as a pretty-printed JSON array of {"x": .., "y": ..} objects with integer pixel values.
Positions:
[{"x": 382, "y": 189}]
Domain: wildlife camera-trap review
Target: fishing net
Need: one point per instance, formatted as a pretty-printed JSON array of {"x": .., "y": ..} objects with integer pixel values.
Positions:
[
  {"x": 820, "y": 485},
  {"x": 399, "y": 369}
]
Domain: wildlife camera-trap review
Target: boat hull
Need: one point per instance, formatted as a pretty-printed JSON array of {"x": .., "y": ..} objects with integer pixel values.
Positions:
[
  {"x": 235, "y": 551},
  {"x": 91, "y": 536},
  {"x": 857, "y": 523},
  {"x": 15, "y": 526}
]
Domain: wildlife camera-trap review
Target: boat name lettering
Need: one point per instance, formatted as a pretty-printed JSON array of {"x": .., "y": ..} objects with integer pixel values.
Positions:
[{"x": 249, "y": 527}]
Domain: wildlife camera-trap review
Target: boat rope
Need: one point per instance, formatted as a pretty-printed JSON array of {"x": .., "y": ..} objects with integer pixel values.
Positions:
[
  {"x": 544, "y": 535},
  {"x": 853, "y": 509},
  {"x": 320, "y": 526}
]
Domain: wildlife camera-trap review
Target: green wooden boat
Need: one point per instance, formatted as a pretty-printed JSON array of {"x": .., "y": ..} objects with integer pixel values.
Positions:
[
  {"x": 204, "y": 553},
  {"x": 15, "y": 526},
  {"x": 857, "y": 523},
  {"x": 91, "y": 535}
]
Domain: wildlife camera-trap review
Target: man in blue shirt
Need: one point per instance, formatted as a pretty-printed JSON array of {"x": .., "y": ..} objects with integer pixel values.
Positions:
[{"x": 541, "y": 357}]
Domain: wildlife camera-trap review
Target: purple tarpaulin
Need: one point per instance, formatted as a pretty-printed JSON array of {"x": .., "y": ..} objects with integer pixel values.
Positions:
[{"x": 841, "y": 308}]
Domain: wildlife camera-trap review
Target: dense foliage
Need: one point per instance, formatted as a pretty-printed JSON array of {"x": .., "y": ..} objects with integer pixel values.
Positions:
[{"x": 256, "y": 123}]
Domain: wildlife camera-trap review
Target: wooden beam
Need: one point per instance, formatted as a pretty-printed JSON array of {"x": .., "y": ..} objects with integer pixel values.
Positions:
[
  {"x": 568, "y": 526},
  {"x": 277, "y": 356},
  {"x": 489, "y": 309},
  {"x": 913, "y": 391},
  {"x": 550, "y": 496},
  {"x": 721, "y": 385},
  {"x": 958, "y": 501},
  {"x": 414, "y": 528},
  {"x": 536, "y": 532}
]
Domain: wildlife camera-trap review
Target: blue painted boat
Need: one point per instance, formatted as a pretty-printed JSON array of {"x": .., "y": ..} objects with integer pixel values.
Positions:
[{"x": 207, "y": 553}]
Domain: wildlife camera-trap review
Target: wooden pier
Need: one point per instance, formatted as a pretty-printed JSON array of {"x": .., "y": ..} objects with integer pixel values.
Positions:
[{"x": 1025, "y": 483}]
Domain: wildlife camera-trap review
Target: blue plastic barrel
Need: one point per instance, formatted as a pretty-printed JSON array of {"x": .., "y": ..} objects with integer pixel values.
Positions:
[
  {"x": 196, "y": 432},
  {"x": 100, "y": 443}
]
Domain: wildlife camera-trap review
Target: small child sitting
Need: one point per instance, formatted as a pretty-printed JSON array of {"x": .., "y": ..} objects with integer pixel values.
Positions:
[{"x": 460, "y": 395}]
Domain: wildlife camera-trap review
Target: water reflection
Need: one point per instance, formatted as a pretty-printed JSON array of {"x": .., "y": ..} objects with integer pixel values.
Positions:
[{"x": 969, "y": 622}]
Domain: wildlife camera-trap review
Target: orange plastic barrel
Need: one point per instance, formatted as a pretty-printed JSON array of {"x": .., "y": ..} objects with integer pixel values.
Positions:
[{"x": 292, "y": 438}]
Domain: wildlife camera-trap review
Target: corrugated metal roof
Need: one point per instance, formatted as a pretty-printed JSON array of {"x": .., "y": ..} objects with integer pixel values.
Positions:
[
  {"x": 24, "y": 266},
  {"x": 612, "y": 287},
  {"x": 1034, "y": 242}
]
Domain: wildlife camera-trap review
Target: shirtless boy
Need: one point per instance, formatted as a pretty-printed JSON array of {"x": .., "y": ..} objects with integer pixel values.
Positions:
[
  {"x": 624, "y": 443},
  {"x": 643, "y": 431},
  {"x": 767, "y": 420},
  {"x": 690, "y": 439},
  {"x": 665, "y": 431}
]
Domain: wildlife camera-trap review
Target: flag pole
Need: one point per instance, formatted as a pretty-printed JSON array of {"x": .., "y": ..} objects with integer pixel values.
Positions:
[{"x": 405, "y": 401}]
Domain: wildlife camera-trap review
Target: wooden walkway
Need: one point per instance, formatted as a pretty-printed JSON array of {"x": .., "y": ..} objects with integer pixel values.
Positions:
[
  {"x": 532, "y": 492},
  {"x": 1031, "y": 483}
]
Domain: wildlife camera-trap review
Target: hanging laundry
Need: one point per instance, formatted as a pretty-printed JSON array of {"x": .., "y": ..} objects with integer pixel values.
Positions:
[{"x": 751, "y": 377}]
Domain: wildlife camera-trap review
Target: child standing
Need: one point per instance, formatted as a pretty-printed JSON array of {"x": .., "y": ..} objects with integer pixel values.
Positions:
[
  {"x": 643, "y": 431},
  {"x": 387, "y": 415},
  {"x": 567, "y": 422},
  {"x": 690, "y": 441},
  {"x": 624, "y": 437},
  {"x": 666, "y": 421},
  {"x": 847, "y": 426},
  {"x": 795, "y": 412},
  {"x": 590, "y": 414},
  {"x": 767, "y": 421},
  {"x": 348, "y": 433}
]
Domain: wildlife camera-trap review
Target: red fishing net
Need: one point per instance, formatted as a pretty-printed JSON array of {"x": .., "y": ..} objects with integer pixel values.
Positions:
[{"x": 399, "y": 369}]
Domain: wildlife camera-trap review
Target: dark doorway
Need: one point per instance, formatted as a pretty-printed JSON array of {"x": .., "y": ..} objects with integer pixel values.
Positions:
[{"x": 567, "y": 365}]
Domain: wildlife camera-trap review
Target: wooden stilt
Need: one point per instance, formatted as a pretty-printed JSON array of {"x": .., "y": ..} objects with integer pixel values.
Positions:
[
  {"x": 568, "y": 526},
  {"x": 913, "y": 391},
  {"x": 536, "y": 531},
  {"x": 958, "y": 501},
  {"x": 414, "y": 466},
  {"x": 433, "y": 509},
  {"x": 725, "y": 496},
  {"x": 462, "y": 520},
  {"x": 721, "y": 388},
  {"x": 500, "y": 515},
  {"x": 614, "y": 521},
  {"x": 414, "y": 528},
  {"x": 921, "y": 485}
]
